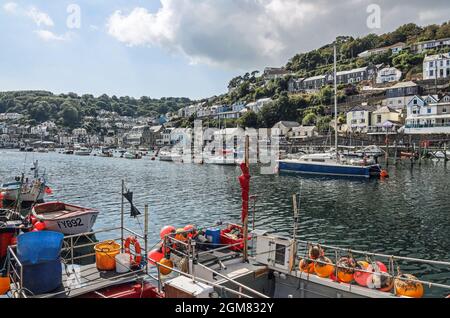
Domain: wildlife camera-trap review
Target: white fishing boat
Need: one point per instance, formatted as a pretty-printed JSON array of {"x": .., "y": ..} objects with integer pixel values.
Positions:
[
  {"x": 65, "y": 218},
  {"x": 82, "y": 151},
  {"x": 170, "y": 155},
  {"x": 132, "y": 155},
  {"x": 24, "y": 189}
]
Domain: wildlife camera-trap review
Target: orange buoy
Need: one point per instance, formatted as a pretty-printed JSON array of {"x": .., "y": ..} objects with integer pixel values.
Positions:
[
  {"x": 384, "y": 174},
  {"x": 306, "y": 266},
  {"x": 315, "y": 252},
  {"x": 167, "y": 230},
  {"x": 181, "y": 235},
  {"x": 346, "y": 269},
  {"x": 5, "y": 285},
  {"x": 166, "y": 262},
  {"x": 407, "y": 285},
  {"x": 361, "y": 277},
  {"x": 323, "y": 267}
]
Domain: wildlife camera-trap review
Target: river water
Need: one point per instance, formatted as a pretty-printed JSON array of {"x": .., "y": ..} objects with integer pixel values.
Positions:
[{"x": 405, "y": 215}]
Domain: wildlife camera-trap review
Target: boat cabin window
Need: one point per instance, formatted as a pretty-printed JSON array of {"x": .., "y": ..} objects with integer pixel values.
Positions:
[
  {"x": 280, "y": 254},
  {"x": 318, "y": 160}
]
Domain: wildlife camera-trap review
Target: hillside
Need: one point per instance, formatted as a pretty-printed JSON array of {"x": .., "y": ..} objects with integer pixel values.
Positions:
[
  {"x": 69, "y": 109},
  {"x": 307, "y": 108}
]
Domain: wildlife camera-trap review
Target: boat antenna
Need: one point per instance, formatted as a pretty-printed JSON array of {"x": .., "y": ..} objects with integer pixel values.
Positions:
[{"x": 335, "y": 104}]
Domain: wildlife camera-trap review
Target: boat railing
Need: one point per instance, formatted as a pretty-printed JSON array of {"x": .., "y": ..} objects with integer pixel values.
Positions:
[
  {"x": 70, "y": 245},
  {"x": 393, "y": 262}
]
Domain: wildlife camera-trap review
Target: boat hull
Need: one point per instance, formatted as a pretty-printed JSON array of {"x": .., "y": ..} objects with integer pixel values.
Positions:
[
  {"x": 11, "y": 193},
  {"x": 329, "y": 169},
  {"x": 72, "y": 225},
  {"x": 76, "y": 221}
]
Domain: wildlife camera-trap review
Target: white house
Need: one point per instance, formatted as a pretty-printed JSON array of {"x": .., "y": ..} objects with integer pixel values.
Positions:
[
  {"x": 285, "y": 127},
  {"x": 436, "y": 66},
  {"x": 428, "y": 115},
  {"x": 303, "y": 132},
  {"x": 420, "y": 47},
  {"x": 395, "y": 49},
  {"x": 258, "y": 105},
  {"x": 359, "y": 118},
  {"x": 11, "y": 116},
  {"x": 388, "y": 74}
]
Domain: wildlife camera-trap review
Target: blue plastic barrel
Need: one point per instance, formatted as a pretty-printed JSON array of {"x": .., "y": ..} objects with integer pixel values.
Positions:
[
  {"x": 38, "y": 247},
  {"x": 213, "y": 236},
  {"x": 43, "y": 277}
]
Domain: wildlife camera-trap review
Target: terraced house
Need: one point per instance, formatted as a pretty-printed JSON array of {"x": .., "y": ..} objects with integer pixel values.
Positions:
[{"x": 428, "y": 115}]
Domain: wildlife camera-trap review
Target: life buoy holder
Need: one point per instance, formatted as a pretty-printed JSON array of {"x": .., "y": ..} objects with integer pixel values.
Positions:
[{"x": 137, "y": 250}]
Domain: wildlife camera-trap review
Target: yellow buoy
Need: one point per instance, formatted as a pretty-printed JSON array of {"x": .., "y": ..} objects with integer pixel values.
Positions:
[
  {"x": 163, "y": 270},
  {"x": 323, "y": 267},
  {"x": 306, "y": 266},
  {"x": 408, "y": 286}
]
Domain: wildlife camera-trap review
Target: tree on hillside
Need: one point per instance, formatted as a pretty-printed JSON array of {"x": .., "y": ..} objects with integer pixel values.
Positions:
[
  {"x": 269, "y": 116},
  {"x": 248, "y": 120}
]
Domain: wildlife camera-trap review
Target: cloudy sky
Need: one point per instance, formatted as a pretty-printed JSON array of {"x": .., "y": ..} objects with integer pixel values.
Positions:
[{"x": 175, "y": 47}]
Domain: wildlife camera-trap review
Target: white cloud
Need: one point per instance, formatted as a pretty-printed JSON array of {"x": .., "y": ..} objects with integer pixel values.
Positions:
[
  {"x": 39, "y": 17},
  {"x": 10, "y": 7},
  {"x": 246, "y": 34},
  {"x": 49, "y": 36}
]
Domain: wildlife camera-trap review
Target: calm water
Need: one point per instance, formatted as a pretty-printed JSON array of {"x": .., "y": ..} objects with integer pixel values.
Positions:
[{"x": 406, "y": 215}]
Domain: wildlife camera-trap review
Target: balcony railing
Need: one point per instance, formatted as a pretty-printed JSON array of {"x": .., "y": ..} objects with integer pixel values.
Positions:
[{"x": 425, "y": 125}]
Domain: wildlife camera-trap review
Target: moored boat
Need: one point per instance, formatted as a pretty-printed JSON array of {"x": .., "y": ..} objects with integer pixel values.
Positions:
[
  {"x": 65, "y": 218},
  {"x": 82, "y": 151},
  {"x": 27, "y": 190}
]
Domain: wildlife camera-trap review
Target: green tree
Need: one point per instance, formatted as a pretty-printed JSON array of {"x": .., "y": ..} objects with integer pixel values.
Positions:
[{"x": 248, "y": 120}]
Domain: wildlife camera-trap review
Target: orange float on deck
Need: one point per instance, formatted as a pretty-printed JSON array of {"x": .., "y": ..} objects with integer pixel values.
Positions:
[
  {"x": 407, "y": 285},
  {"x": 323, "y": 267},
  {"x": 346, "y": 269},
  {"x": 306, "y": 266},
  {"x": 167, "y": 230},
  {"x": 166, "y": 262}
]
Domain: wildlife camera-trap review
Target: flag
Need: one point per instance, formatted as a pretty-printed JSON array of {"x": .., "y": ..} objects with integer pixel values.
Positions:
[
  {"x": 134, "y": 211},
  {"x": 244, "y": 181}
]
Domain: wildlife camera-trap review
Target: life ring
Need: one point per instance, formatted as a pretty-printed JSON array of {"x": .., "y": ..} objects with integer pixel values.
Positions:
[{"x": 137, "y": 249}]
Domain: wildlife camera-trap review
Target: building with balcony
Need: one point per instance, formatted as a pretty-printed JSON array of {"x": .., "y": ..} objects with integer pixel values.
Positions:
[{"x": 428, "y": 115}]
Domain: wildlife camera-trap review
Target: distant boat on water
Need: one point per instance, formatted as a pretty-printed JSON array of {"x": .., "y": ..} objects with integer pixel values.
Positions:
[{"x": 82, "y": 151}]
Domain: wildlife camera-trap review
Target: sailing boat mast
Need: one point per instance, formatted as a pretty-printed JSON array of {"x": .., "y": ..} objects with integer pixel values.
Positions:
[{"x": 335, "y": 105}]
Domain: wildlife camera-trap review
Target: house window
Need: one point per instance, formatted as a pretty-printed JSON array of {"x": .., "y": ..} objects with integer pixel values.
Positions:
[
  {"x": 415, "y": 102},
  {"x": 429, "y": 110},
  {"x": 431, "y": 73},
  {"x": 431, "y": 64},
  {"x": 444, "y": 110},
  {"x": 378, "y": 119}
]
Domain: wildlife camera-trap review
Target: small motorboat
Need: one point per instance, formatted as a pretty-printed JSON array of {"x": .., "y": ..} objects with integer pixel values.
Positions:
[
  {"x": 65, "y": 218},
  {"x": 82, "y": 151}
]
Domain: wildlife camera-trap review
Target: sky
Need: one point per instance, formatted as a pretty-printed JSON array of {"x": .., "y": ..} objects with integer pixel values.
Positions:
[{"x": 180, "y": 48}]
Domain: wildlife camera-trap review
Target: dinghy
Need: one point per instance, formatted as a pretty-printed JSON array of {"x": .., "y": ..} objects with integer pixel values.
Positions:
[{"x": 65, "y": 218}]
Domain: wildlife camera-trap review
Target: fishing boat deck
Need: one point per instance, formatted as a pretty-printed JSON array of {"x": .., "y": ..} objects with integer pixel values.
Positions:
[{"x": 87, "y": 279}]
